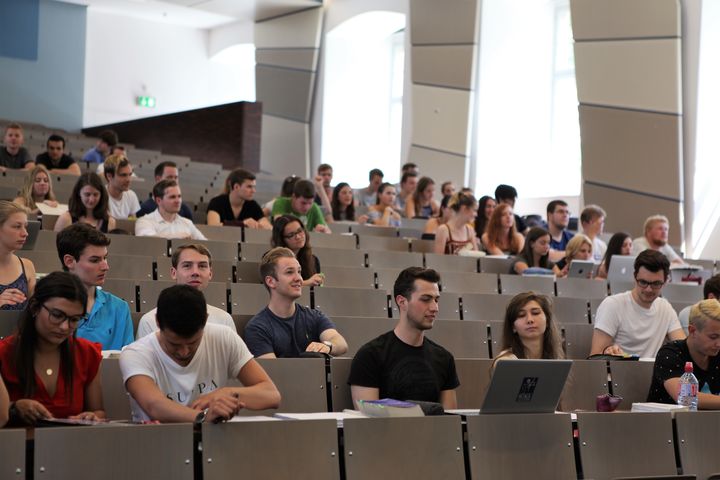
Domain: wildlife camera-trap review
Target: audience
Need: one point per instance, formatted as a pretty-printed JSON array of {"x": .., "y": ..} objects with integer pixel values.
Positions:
[
  {"x": 529, "y": 330},
  {"x": 656, "y": 237},
  {"x": 558, "y": 218},
  {"x": 83, "y": 251},
  {"x": 13, "y": 155},
  {"x": 55, "y": 159},
  {"x": 501, "y": 237},
  {"x": 447, "y": 189},
  {"x": 408, "y": 185},
  {"x": 49, "y": 372},
  {"x": 486, "y": 206},
  {"x": 164, "y": 171},
  {"x": 165, "y": 221},
  {"x": 191, "y": 265},
  {"x": 711, "y": 290},
  {"x": 88, "y": 204},
  {"x": 702, "y": 348},
  {"x": 457, "y": 235},
  {"x": 37, "y": 193},
  {"x": 118, "y": 174},
  {"x": 343, "y": 205},
  {"x": 592, "y": 221},
  {"x": 422, "y": 203},
  {"x": 17, "y": 275},
  {"x": 286, "y": 190},
  {"x": 383, "y": 213},
  {"x": 107, "y": 140},
  {"x": 368, "y": 196},
  {"x": 536, "y": 253},
  {"x": 620, "y": 244},
  {"x": 285, "y": 328},
  {"x": 403, "y": 363},
  {"x": 237, "y": 206},
  {"x": 507, "y": 194},
  {"x": 638, "y": 321},
  {"x": 181, "y": 372},
  {"x": 289, "y": 232},
  {"x": 302, "y": 205},
  {"x": 578, "y": 248}
]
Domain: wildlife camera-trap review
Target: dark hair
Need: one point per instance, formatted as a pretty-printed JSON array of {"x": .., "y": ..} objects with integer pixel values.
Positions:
[
  {"x": 614, "y": 248},
  {"x": 160, "y": 168},
  {"x": 653, "y": 261},
  {"x": 55, "y": 138},
  {"x": 480, "y": 220},
  {"x": 238, "y": 176},
  {"x": 407, "y": 175},
  {"x": 287, "y": 186},
  {"x": 73, "y": 239},
  {"x": 712, "y": 285},
  {"x": 54, "y": 285},
  {"x": 460, "y": 199},
  {"x": 324, "y": 166},
  {"x": 376, "y": 172},
  {"x": 380, "y": 190},
  {"x": 304, "y": 189},
  {"x": 533, "y": 235},
  {"x": 408, "y": 166},
  {"x": 198, "y": 247},
  {"x": 405, "y": 282},
  {"x": 181, "y": 309},
  {"x": 552, "y": 345},
  {"x": 505, "y": 192},
  {"x": 422, "y": 185},
  {"x": 160, "y": 187},
  {"x": 269, "y": 262},
  {"x": 444, "y": 184},
  {"x": 75, "y": 205},
  {"x": 109, "y": 137},
  {"x": 554, "y": 204},
  {"x": 305, "y": 256},
  {"x": 337, "y": 208}
]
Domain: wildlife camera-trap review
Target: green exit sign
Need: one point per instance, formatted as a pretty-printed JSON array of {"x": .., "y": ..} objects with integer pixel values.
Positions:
[{"x": 146, "y": 101}]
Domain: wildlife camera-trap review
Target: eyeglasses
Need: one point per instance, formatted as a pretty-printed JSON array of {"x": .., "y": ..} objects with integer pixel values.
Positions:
[
  {"x": 294, "y": 234},
  {"x": 58, "y": 317},
  {"x": 654, "y": 285}
]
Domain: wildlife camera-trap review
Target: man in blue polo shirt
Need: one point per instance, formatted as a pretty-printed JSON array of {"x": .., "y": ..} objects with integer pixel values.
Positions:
[{"x": 83, "y": 252}]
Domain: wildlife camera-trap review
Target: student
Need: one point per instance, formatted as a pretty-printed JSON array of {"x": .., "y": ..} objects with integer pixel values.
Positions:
[
  {"x": 620, "y": 244},
  {"x": 383, "y": 213},
  {"x": 164, "y": 171},
  {"x": 49, "y": 372},
  {"x": 289, "y": 232},
  {"x": 535, "y": 253},
  {"x": 579, "y": 247},
  {"x": 88, "y": 204},
  {"x": 368, "y": 196},
  {"x": 105, "y": 144},
  {"x": 17, "y": 275},
  {"x": 118, "y": 172},
  {"x": 302, "y": 205},
  {"x": 237, "y": 206},
  {"x": 656, "y": 230},
  {"x": 12, "y": 153},
  {"x": 55, "y": 159},
  {"x": 343, "y": 205},
  {"x": 422, "y": 202},
  {"x": 558, "y": 218},
  {"x": 37, "y": 192},
  {"x": 165, "y": 221},
  {"x": 529, "y": 330},
  {"x": 500, "y": 237},
  {"x": 456, "y": 234},
  {"x": 486, "y": 206},
  {"x": 592, "y": 221}
]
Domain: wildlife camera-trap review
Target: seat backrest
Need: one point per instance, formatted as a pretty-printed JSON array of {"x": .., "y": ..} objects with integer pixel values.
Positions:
[
  {"x": 577, "y": 340},
  {"x": 631, "y": 380},
  {"x": 474, "y": 375},
  {"x": 372, "y": 230},
  {"x": 115, "y": 399},
  {"x": 252, "y": 235},
  {"x": 250, "y": 298},
  {"x": 220, "y": 250},
  {"x": 697, "y": 442},
  {"x": 220, "y": 233},
  {"x": 12, "y": 453},
  {"x": 215, "y": 294},
  {"x": 247, "y": 272},
  {"x": 253, "y": 252},
  {"x": 339, "y": 374},
  {"x": 451, "y": 263},
  {"x": 131, "y": 245},
  {"x": 351, "y": 302},
  {"x": 393, "y": 259},
  {"x": 338, "y": 257},
  {"x": 347, "y": 277},
  {"x": 626, "y": 444},
  {"x": 222, "y": 269},
  {"x": 514, "y": 284},
  {"x": 496, "y": 264},
  {"x": 132, "y": 267},
  {"x": 538, "y": 445},
  {"x": 378, "y": 448},
  {"x": 680, "y": 292},
  {"x": 571, "y": 310},
  {"x": 44, "y": 261},
  {"x": 357, "y": 331},
  {"x": 373, "y": 243},
  {"x": 462, "y": 282},
  {"x": 479, "y": 306},
  {"x": 619, "y": 286},
  {"x": 581, "y": 288},
  {"x": 587, "y": 380},
  {"x": 123, "y": 288},
  {"x": 462, "y": 339},
  {"x": 9, "y": 322},
  {"x": 333, "y": 240}
]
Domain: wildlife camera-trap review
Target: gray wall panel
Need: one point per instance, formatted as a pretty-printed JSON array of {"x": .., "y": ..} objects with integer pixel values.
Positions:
[
  {"x": 446, "y": 21},
  {"x": 439, "y": 166},
  {"x": 284, "y": 147},
  {"x": 627, "y": 211},
  {"x": 450, "y": 66},
  {"x": 296, "y": 30},
  {"x": 593, "y": 19},
  {"x": 623, "y": 148},
  {"x": 440, "y": 118},
  {"x": 299, "y": 58},
  {"x": 284, "y": 93}
]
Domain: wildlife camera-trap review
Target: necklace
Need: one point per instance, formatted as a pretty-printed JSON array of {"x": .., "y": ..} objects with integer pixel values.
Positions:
[{"x": 49, "y": 372}]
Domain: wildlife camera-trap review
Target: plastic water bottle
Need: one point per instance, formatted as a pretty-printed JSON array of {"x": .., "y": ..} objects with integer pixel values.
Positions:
[{"x": 688, "y": 396}]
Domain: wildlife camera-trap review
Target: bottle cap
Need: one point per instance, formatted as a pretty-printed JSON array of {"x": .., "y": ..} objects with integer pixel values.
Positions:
[{"x": 688, "y": 367}]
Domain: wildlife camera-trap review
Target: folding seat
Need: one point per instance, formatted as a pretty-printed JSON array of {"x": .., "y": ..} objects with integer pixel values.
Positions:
[
  {"x": 631, "y": 380},
  {"x": 451, "y": 263},
  {"x": 514, "y": 284},
  {"x": 461, "y": 282},
  {"x": 571, "y": 310},
  {"x": 577, "y": 340},
  {"x": 351, "y": 302},
  {"x": 581, "y": 288}
]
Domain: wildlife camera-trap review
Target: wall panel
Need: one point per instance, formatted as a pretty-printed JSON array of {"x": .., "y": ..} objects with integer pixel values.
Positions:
[{"x": 593, "y": 19}]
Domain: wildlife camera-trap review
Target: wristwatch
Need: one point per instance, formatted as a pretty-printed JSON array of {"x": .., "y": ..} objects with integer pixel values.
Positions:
[
  {"x": 200, "y": 418},
  {"x": 329, "y": 345}
]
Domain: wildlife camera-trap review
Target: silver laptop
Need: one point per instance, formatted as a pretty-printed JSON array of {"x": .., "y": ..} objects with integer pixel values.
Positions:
[
  {"x": 526, "y": 386},
  {"x": 622, "y": 268},
  {"x": 33, "y": 228},
  {"x": 583, "y": 269}
]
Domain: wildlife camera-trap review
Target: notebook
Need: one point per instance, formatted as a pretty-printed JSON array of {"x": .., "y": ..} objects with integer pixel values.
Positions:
[{"x": 526, "y": 386}]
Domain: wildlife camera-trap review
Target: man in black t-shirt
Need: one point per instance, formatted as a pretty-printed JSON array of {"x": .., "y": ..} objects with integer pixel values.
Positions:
[
  {"x": 702, "y": 348},
  {"x": 402, "y": 364},
  {"x": 55, "y": 159},
  {"x": 236, "y": 206}
]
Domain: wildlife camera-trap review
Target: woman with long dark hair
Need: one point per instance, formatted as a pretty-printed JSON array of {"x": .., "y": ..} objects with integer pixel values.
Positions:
[
  {"x": 89, "y": 203},
  {"x": 422, "y": 202},
  {"x": 383, "y": 213},
  {"x": 501, "y": 237},
  {"x": 620, "y": 244},
  {"x": 49, "y": 372},
  {"x": 343, "y": 205},
  {"x": 536, "y": 252},
  {"x": 486, "y": 206},
  {"x": 289, "y": 232}
]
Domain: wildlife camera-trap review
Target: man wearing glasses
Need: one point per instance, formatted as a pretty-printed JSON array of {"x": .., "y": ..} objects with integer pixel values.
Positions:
[{"x": 638, "y": 322}]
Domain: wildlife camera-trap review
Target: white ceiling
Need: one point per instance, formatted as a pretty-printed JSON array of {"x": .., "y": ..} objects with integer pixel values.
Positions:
[{"x": 197, "y": 13}]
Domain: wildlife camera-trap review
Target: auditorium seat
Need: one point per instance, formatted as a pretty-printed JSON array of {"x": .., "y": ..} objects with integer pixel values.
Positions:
[
  {"x": 115, "y": 399},
  {"x": 577, "y": 340},
  {"x": 384, "y": 244},
  {"x": 215, "y": 294},
  {"x": 680, "y": 292},
  {"x": 581, "y": 288},
  {"x": 461, "y": 282},
  {"x": 496, "y": 264},
  {"x": 300, "y": 449},
  {"x": 339, "y": 257},
  {"x": 386, "y": 280},
  {"x": 587, "y": 380},
  {"x": 253, "y": 235},
  {"x": 626, "y": 444},
  {"x": 131, "y": 245},
  {"x": 220, "y": 250},
  {"x": 339, "y": 374},
  {"x": 514, "y": 284},
  {"x": 474, "y": 375},
  {"x": 362, "y": 230},
  {"x": 391, "y": 448},
  {"x": 9, "y": 322},
  {"x": 253, "y": 252},
  {"x": 536, "y": 445},
  {"x": 351, "y": 301},
  {"x": 46, "y": 241},
  {"x": 220, "y": 233},
  {"x": 697, "y": 442},
  {"x": 347, "y": 277},
  {"x": 451, "y": 263},
  {"x": 631, "y": 380},
  {"x": 44, "y": 261},
  {"x": 495, "y": 336},
  {"x": 571, "y": 310},
  {"x": 422, "y": 246},
  {"x": 48, "y": 221},
  {"x": 357, "y": 331},
  {"x": 12, "y": 453},
  {"x": 478, "y": 306},
  {"x": 250, "y": 298},
  {"x": 393, "y": 259},
  {"x": 462, "y": 339},
  {"x": 133, "y": 267},
  {"x": 620, "y": 286},
  {"x": 123, "y": 288},
  {"x": 247, "y": 272},
  {"x": 333, "y": 240}
]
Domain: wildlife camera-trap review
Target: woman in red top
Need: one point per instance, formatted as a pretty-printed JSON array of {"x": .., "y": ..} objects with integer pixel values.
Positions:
[{"x": 48, "y": 372}]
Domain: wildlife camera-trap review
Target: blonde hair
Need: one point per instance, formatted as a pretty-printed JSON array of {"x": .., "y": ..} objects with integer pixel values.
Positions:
[
  {"x": 575, "y": 244},
  {"x": 703, "y": 311},
  {"x": 653, "y": 219},
  {"x": 27, "y": 191},
  {"x": 114, "y": 162},
  {"x": 8, "y": 208}
]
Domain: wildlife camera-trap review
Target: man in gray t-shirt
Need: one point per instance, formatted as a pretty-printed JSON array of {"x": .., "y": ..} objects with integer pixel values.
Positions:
[
  {"x": 12, "y": 153},
  {"x": 284, "y": 328}
]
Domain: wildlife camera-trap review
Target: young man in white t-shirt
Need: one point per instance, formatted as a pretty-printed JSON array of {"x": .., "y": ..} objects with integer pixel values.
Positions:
[
  {"x": 638, "y": 321},
  {"x": 191, "y": 265},
  {"x": 180, "y": 373},
  {"x": 124, "y": 202}
]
